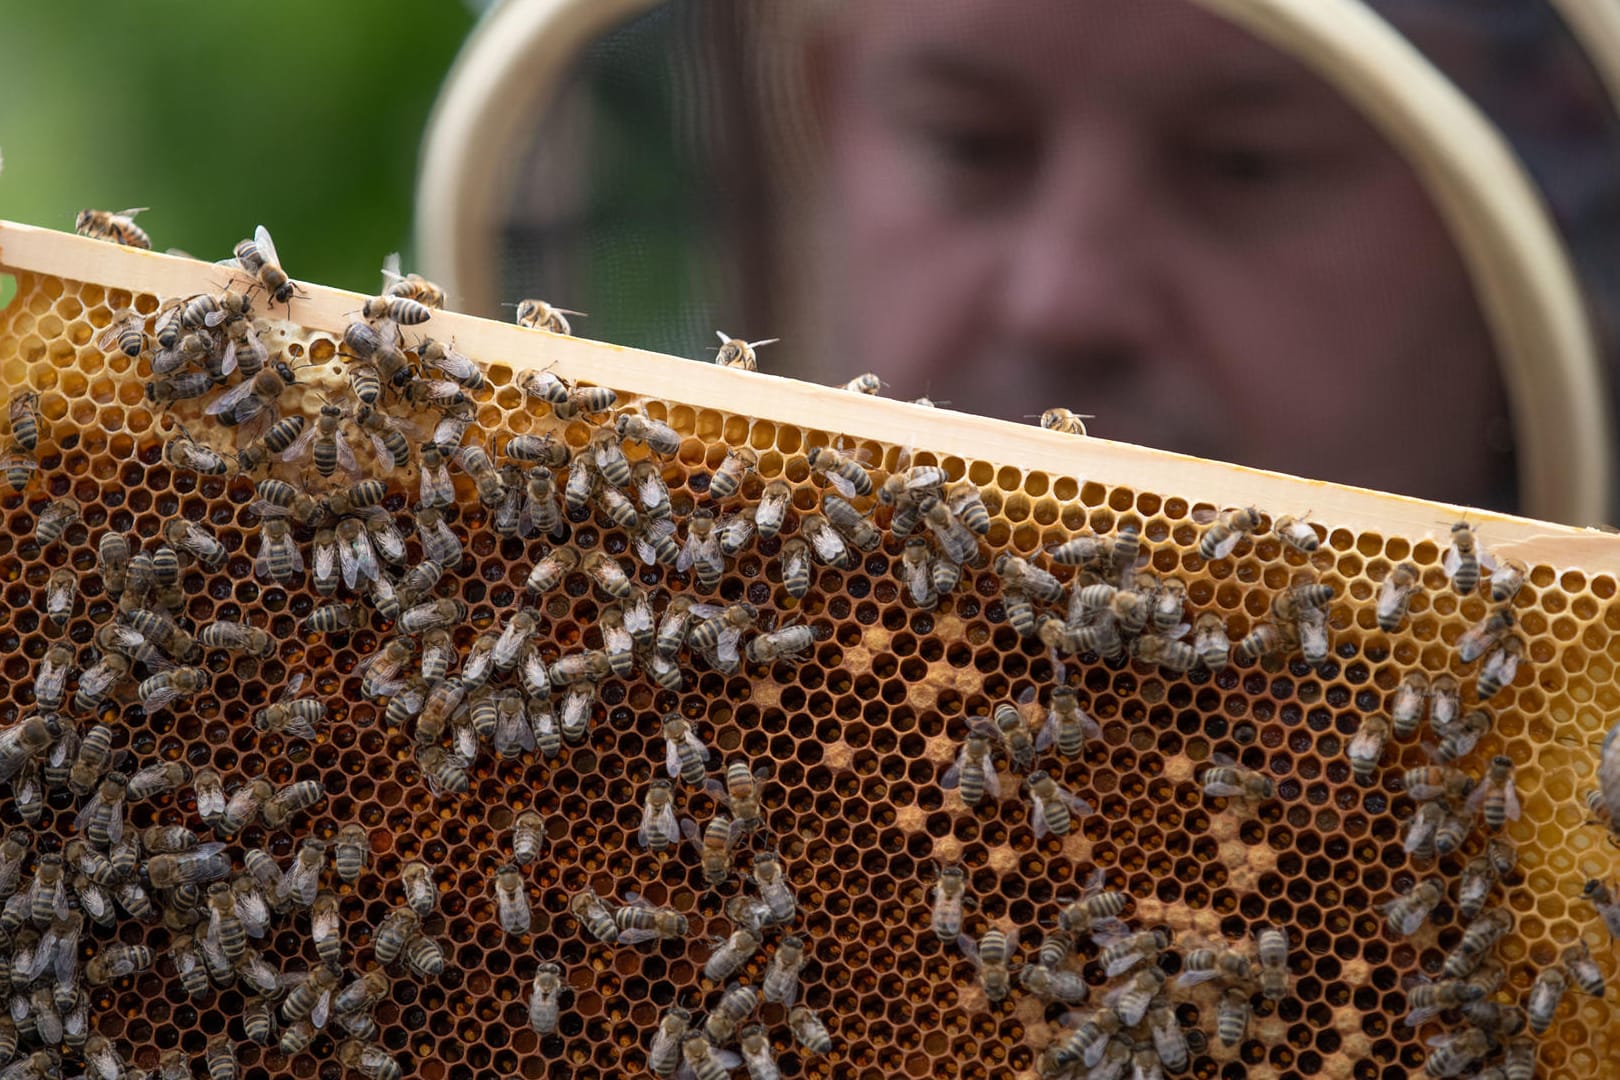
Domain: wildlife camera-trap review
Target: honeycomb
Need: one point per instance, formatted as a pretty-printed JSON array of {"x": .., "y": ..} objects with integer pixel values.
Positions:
[{"x": 853, "y": 741}]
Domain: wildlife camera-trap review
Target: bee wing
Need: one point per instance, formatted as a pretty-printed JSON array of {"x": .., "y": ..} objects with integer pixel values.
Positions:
[
  {"x": 672, "y": 758},
  {"x": 109, "y": 337},
  {"x": 992, "y": 780},
  {"x": 1510, "y": 796},
  {"x": 1476, "y": 799},
  {"x": 267, "y": 248},
  {"x": 322, "y": 1010},
  {"x": 725, "y": 650},
  {"x": 1452, "y": 562},
  {"x": 727, "y": 1059},
  {"x": 969, "y": 947},
  {"x": 230, "y": 398},
  {"x": 60, "y": 594},
  {"x": 697, "y": 745},
  {"x": 1075, "y": 803},
  {"x": 1221, "y": 790},
  {"x": 390, "y": 270},
  {"x": 1193, "y": 978},
  {"x": 1048, "y": 733},
  {"x": 841, "y": 485},
  {"x": 636, "y": 937},
  {"x": 1227, "y": 545},
  {"x": 1037, "y": 815},
  {"x": 828, "y": 545},
  {"x": 345, "y": 453}
]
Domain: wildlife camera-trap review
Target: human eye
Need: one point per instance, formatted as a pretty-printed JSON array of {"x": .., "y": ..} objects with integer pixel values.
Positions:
[{"x": 975, "y": 155}]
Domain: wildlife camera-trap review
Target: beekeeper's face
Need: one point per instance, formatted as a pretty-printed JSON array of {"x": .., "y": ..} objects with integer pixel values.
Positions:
[{"x": 1138, "y": 211}]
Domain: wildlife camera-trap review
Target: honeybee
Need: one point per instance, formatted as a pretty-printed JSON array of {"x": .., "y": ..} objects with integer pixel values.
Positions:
[
  {"x": 1132, "y": 999},
  {"x": 1203, "y": 965},
  {"x": 1460, "y": 739},
  {"x": 1125, "y": 951},
  {"x": 244, "y": 349},
  {"x": 1232, "y": 1017},
  {"x": 278, "y": 558},
  {"x": 1426, "y": 998},
  {"x": 854, "y": 525},
  {"x": 1444, "y": 703},
  {"x": 1227, "y": 779},
  {"x": 1437, "y": 781},
  {"x": 1406, "y": 711},
  {"x": 828, "y": 545},
  {"x": 539, "y": 315},
  {"x": 252, "y": 399},
  {"x": 1500, "y": 668},
  {"x": 1222, "y": 535},
  {"x": 608, "y": 575},
  {"x": 718, "y": 632},
  {"x": 196, "y": 541},
  {"x": 259, "y": 258},
  {"x": 168, "y": 389},
  {"x": 1272, "y": 948},
  {"x": 1297, "y": 534},
  {"x": 1018, "y": 573},
  {"x": 127, "y": 334},
  {"x": 512, "y": 901},
  {"x": 787, "y": 643},
  {"x": 1582, "y": 969},
  {"x": 1054, "y": 984},
  {"x": 992, "y": 955},
  {"x": 1476, "y": 941},
  {"x": 1462, "y": 559},
  {"x": 714, "y": 846},
  {"x": 774, "y": 890},
  {"x": 1264, "y": 640},
  {"x": 61, "y": 593},
  {"x": 303, "y": 878},
  {"x": 18, "y": 467},
  {"x": 737, "y": 353},
  {"x": 685, "y": 756},
  {"x": 543, "y": 998},
  {"x": 1546, "y": 994},
  {"x": 158, "y": 779},
  {"x": 369, "y": 1060},
  {"x": 639, "y": 921},
  {"x": 701, "y": 552},
  {"x": 741, "y": 795},
  {"x": 1496, "y": 795},
  {"x": 950, "y": 893},
  {"x": 1482, "y": 635},
  {"x": 664, "y": 1055},
  {"x": 795, "y": 563},
  {"x": 730, "y": 954},
  {"x": 167, "y": 686},
  {"x": 396, "y": 930},
  {"x": 1366, "y": 749},
  {"x": 1210, "y": 641},
  {"x": 114, "y": 227},
  {"x": 1053, "y": 807},
  {"x": 843, "y": 471},
  {"x": 326, "y": 928},
  {"x": 202, "y": 864},
  {"x": 1604, "y": 902},
  {"x": 1507, "y": 579},
  {"x": 441, "y": 614},
  {"x": 594, "y": 915},
  {"x": 438, "y": 541},
  {"x": 54, "y": 520},
  {"x": 1169, "y": 654},
  {"x": 1065, "y": 421},
  {"x": 809, "y": 1031},
  {"x": 351, "y": 851},
  {"x": 974, "y": 773}
]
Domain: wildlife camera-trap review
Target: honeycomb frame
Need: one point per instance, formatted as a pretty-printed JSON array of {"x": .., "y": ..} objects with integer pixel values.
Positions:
[{"x": 857, "y": 738}]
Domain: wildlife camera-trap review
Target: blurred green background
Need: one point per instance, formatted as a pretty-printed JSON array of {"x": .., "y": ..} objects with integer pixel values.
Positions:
[{"x": 304, "y": 116}]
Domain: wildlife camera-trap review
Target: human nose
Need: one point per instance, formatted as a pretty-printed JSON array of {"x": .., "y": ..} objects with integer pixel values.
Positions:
[{"x": 1079, "y": 277}]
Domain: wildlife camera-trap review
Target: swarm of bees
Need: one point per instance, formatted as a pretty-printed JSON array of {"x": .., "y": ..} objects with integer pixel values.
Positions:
[{"x": 393, "y": 423}]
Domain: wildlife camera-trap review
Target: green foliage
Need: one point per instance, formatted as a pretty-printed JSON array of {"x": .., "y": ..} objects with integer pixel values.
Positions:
[{"x": 301, "y": 115}]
